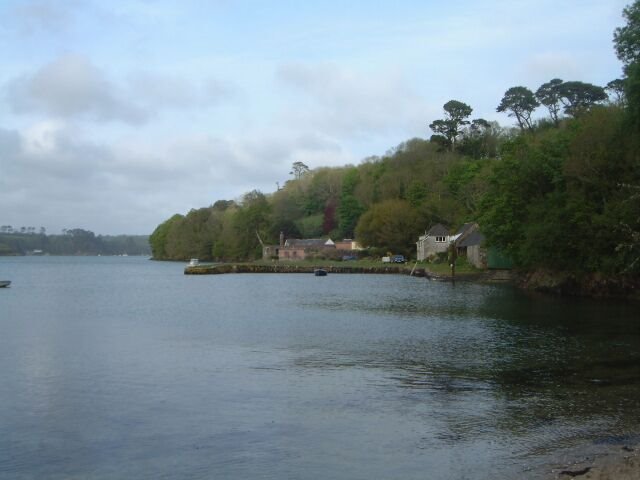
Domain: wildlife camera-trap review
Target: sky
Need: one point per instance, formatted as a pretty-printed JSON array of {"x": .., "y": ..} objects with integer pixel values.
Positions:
[{"x": 116, "y": 115}]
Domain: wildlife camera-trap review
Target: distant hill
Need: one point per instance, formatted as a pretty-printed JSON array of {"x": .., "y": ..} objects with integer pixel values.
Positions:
[{"x": 73, "y": 242}]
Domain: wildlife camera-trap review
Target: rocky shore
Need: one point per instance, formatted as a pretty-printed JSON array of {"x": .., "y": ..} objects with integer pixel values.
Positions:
[{"x": 581, "y": 284}]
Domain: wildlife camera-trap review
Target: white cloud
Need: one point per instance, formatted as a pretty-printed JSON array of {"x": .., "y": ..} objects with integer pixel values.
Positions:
[{"x": 71, "y": 86}]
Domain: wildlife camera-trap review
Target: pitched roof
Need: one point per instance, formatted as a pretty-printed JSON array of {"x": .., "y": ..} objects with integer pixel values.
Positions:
[
  {"x": 474, "y": 238},
  {"x": 307, "y": 243},
  {"x": 466, "y": 228},
  {"x": 438, "y": 230}
]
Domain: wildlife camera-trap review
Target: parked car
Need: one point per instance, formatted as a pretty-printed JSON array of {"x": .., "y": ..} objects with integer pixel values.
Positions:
[{"x": 399, "y": 259}]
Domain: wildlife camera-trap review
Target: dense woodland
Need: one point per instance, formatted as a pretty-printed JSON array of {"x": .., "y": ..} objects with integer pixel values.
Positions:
[
  {"x": 560, "y": 191},
  {"x": 72, "y": 242}
]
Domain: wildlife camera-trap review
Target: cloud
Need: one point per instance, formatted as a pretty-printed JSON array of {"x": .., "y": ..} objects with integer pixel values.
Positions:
[
  {"x": 69, "y": 87},
  {"x": 44, "y": 15},
  {"x": 48, "y": 174},
  {"x": 156, "y": 91},
  {"x": 339, "y": 101}
]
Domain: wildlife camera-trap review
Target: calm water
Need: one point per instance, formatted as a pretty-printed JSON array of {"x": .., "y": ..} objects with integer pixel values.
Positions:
[{"x": 126, "y": 368}]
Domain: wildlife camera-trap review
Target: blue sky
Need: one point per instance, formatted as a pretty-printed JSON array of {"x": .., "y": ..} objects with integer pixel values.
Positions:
[{"x": 115, "y": 115}]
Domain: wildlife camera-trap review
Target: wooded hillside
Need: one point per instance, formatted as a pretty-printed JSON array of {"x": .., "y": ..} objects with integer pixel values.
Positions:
[{"x": 561, "y": 192}]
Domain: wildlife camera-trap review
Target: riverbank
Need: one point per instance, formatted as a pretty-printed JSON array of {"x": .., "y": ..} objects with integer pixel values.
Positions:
[
  {"x": 594, "y": 285},
  {"x": 544, "y": 281},
  {"x": 402, "y": 269},
  {"x": 617, "y": 463}
]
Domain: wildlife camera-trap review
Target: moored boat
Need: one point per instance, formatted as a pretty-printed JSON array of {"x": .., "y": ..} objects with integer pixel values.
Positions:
[
  {"x": 320, "y": 272},
  {"x": 4, "y": 283}
]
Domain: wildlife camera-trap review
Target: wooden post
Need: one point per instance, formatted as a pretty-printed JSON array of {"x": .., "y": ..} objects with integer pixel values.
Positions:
[{"x": 453, "y": 255}]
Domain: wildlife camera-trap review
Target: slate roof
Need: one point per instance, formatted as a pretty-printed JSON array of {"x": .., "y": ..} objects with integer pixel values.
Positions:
[
  {"x": 438, "y": 230},
  {"x": 475, "y": 238},
  {"x": 465, "y": 228},
  {"x": 306, "y": 243}
]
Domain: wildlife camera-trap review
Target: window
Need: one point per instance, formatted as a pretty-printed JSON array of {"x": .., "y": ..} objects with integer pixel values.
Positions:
[{"x": 441, "y": 239}]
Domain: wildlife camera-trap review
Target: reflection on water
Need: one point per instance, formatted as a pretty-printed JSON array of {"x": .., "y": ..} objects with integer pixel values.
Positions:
[{"x": 116, "y": 368}]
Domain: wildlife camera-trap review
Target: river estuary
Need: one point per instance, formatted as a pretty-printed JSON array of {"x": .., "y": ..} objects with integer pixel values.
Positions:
[{"x": 120, "y": 367}]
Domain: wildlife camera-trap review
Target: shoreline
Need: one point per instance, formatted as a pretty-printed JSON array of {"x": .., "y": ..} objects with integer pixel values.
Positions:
[
  {"x": 563, "y": 284},
  {"x": 421, "y": 272},
  {"x": 617, "y": 462}
]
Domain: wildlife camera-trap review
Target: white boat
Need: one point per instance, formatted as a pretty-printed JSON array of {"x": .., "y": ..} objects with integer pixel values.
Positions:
[
  {"x": 4, "y": 283},
  {"x": 194, "y": 262}
]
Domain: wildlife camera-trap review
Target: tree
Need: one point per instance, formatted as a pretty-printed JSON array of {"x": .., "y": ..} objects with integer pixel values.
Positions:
[
  {"x": 481, "y": 139},
  {"x": 580, "y": 97},
  {"x": 350, "y": 209},
  {"x": 456, "y": 114},
  {"x": 627, "y": 38},
  {"x": 391, "y": 225},
  {"x": 627, "y": 45},
  {"x": 549, "y": 95},
  {"x": 349, "y": 212},
  {"x": 519, "y": 102},
  {"x": 616, "y": 87},
  {"x": 251, "y": 218},
  {"x": 298, "y": 170}
]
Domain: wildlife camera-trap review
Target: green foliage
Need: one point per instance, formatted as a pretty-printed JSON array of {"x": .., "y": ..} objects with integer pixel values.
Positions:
[
  {"x": 549, "y": 95},
  {"x": 627, "y": 38},
  {"x": 555, "y": 200},
  {"x": 417, "y": 193},
  {"x": 481, "y": 139},
  {"x": 311, "y": 226},
  {"x": 298, "y": 170},
  {"x": 632, "y": 95},
  {"x": 580, "y": 97},
  {"x": 349, "y": 212},
  {"x": 449, "y": 128},
  {"x": 250, "y": 223},
  {"x": 519, "y": 102},
  {"x": 391, "y": 225},
  {"x": 617, "y": 91}
]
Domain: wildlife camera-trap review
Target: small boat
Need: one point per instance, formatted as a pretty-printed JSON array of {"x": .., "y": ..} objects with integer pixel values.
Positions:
[
  {"x": 194, "y": 262},
  {"x": 4, "y": 283},
  {"x": 320, "y": 272}
]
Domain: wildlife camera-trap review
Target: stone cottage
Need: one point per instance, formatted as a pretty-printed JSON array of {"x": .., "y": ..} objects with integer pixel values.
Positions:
[
  {"x": 435, "y": 240},
  {"x": 300, "y": 249}
]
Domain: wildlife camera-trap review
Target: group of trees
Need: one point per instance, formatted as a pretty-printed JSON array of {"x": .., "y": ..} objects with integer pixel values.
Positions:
[
  {"x": 562, "y": 192},
  {"x": 22, "y": 230},
  {"x": 571, "y": 98},
  {"x": 75, "y": 241}
]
